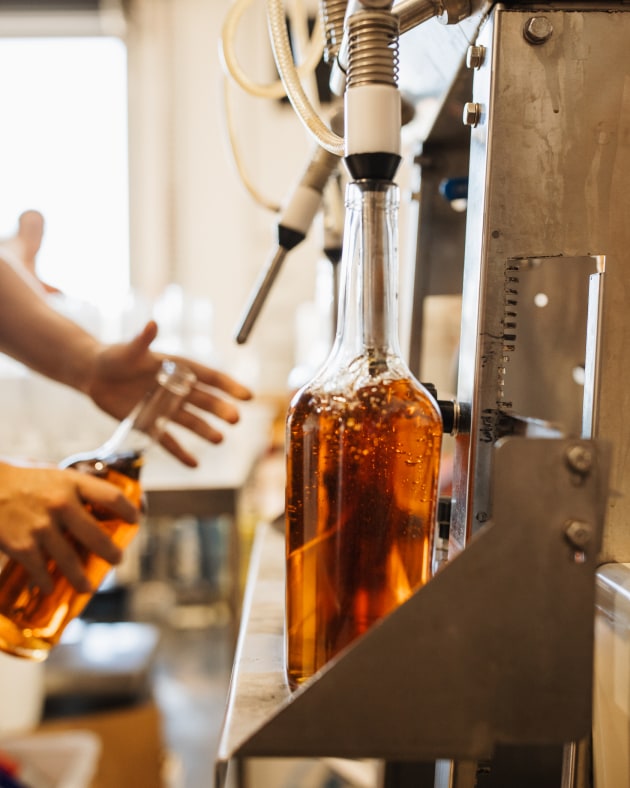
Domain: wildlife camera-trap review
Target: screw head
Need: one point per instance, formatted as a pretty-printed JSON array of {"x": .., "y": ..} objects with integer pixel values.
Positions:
[
  {"x": 579, "y": 459},
  {"x": 537, "y": 30},
  {"x": 578, "y": 533},
  {"x": 475, "y": 56},
  {"x": 472, "y": 113}
]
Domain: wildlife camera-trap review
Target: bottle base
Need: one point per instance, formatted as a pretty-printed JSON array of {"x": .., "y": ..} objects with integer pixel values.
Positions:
[
  {"x": 19, "y": 643},
  {"x": 295, "y": 680}
]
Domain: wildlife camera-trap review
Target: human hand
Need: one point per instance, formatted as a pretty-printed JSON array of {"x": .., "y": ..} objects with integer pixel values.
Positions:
[
  {"x": 124, "y": 372},
  {"x": 40, "y": 507}
]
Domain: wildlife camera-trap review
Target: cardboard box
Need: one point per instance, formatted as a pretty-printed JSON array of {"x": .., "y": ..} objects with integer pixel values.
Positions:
[{"x": 132, "y": 745}]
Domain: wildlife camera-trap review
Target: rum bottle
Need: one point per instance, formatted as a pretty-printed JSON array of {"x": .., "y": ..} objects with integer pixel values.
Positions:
[
  {"x": 32, "y": 622},
  {"x": 363, "y": 443}
]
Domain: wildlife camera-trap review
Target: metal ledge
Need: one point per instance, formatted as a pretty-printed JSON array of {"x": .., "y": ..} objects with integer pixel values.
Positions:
[{"x": 497, "y": 648}]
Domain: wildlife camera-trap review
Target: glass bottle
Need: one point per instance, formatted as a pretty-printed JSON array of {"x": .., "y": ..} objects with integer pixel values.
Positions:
[
  {"x": 363, "y": 442},
  {"x": 32, "y": 622}
]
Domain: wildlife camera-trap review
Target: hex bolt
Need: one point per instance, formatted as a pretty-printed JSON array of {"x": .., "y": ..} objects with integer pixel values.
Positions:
[
  {"x": 537, "y": 30},
  {"x": 578, "y": 533},
  {"x": 579, "y": 459},
  {"x": 475, "y": 56},
  {"x": 472, "y": 113}
]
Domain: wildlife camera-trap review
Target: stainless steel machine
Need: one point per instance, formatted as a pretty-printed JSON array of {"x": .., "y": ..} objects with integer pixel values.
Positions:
[{"x": 485, "y": 676}]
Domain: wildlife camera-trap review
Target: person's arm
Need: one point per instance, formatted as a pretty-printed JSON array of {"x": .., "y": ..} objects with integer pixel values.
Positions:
[
  {"x": 34, "y": 333},
  {"x": 114, "y": 376}
]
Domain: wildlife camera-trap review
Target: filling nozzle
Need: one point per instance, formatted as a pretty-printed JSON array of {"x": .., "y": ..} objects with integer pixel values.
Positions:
[
  {"x": 372, "y": 103},
  {"x": 293, "y": 226},
  {"x": 259, "y": 294}
]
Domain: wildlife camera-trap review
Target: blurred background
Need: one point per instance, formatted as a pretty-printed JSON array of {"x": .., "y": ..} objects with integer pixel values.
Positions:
[{"x": 121, "y": 129}]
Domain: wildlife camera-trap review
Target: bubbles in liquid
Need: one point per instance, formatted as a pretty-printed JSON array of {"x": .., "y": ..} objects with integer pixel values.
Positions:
[{"x": 361, "y": 495}]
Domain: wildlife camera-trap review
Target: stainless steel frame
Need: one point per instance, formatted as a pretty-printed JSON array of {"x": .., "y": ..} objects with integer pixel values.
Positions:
[
  {"x": 549, "y": 181},
  {"x": 497, "y": 649}
]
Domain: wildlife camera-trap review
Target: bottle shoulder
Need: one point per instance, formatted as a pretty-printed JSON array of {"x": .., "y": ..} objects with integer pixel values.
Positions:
[
  {"x": 345, "y": 375},
  {"x": 361, "y": 391},
  {"x": 101, "y": 463}
]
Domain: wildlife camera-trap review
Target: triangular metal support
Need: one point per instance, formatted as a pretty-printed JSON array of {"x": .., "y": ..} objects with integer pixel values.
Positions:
[{"x": 496, "y": 648}]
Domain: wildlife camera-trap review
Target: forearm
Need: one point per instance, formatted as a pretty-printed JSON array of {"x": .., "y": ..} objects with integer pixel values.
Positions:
[
  {"x": 114, "y": 376},
  {"x": 34, "y": 333}
]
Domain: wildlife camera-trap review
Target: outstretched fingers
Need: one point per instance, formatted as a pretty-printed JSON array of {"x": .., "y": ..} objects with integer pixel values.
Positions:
[{"x": 86, "y": 533}]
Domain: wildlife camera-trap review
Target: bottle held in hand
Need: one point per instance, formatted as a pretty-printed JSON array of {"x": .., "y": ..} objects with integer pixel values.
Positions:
[{"x": 31, "y": 621}]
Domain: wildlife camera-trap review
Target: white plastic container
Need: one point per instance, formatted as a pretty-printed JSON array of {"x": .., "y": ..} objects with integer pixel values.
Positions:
[
  {"x": 55, "y": 760},
  {"x": 22, "y": 694}
]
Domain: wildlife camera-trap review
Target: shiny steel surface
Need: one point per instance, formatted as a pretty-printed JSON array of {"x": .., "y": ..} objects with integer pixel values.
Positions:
[{"x": 548, "y": 181}]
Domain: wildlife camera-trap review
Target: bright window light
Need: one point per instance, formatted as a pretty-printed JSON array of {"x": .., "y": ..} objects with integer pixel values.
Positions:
[{"x": 64, "y": 153}]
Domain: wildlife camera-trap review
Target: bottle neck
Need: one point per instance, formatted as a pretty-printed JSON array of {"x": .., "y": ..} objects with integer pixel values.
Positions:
[
  {"x": 148, "y": 420},
  {"x": 368, "y": 315}
]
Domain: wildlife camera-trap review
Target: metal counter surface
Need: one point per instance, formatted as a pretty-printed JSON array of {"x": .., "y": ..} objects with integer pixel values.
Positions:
[{"x": 258, "y": 686}]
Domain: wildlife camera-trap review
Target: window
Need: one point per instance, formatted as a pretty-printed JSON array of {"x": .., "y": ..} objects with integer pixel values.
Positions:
[{"x": 63, "y": 152}]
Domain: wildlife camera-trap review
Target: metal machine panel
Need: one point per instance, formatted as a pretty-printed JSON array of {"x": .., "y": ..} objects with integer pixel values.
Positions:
[{"x": 549, "y": 178}]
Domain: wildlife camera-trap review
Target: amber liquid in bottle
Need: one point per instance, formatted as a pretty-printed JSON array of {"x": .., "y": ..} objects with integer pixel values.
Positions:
[
  {"x": 362, "y": 478},
  {"x": 362, "y": 458},
  {"x": 32, "y": 622}
]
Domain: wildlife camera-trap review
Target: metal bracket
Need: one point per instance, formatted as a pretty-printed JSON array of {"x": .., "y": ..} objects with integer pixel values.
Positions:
[{"x": 496, "y": 648}]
